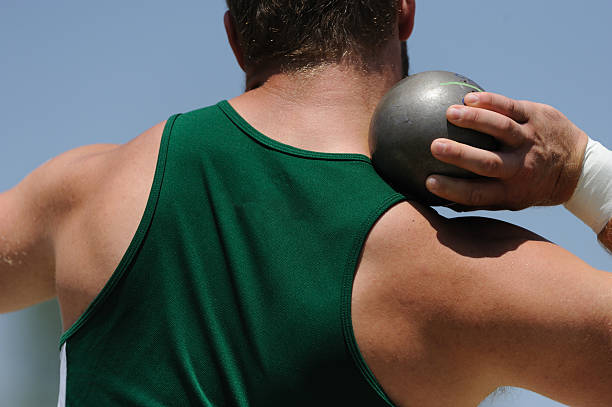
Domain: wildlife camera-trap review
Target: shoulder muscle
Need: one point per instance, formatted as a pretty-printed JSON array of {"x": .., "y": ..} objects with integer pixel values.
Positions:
[
  {"x": 28, "y": 215},
  {"x": 485, "y": 304},
  {"x": 32, "y": 214}
]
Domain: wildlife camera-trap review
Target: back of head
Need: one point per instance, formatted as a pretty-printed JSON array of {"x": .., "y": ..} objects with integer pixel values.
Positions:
[{"x": 301, "y": 34}]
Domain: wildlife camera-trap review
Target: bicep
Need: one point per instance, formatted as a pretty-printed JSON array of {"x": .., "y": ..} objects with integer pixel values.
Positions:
[{"x": 526, "y": 312}]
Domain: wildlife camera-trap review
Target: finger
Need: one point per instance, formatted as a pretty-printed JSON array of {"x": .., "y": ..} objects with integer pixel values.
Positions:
[
  {"x": 495, "y": 124},
  {"x": 514, "y": 109},
  {"x": 481, "y": 162},
  {"x": 468, "y": 192}
]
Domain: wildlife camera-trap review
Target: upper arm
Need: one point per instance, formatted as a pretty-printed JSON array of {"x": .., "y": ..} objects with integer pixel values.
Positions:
[
  {"x": 30, "y": 215},
  {"x": 534, "y": 315},
  {"x": 488, "y": 304}
]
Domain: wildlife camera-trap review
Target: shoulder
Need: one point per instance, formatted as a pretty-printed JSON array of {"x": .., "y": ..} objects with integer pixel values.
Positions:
[
  {"x": 443, "y": 258},
  {"x": 418, "y": 233},
  {"x": 68, "y": 180},
  {"x": 445, "y": 294}
]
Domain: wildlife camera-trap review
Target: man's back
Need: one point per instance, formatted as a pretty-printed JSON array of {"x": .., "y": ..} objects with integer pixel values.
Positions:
[
  {"x": 444, "y": 311},
  {"x": 431, "y": 295},
  {"x": 231, "y": 283}
]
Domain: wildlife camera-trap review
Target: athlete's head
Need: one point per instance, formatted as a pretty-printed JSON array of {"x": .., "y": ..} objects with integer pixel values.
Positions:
[{"x": 293, "y": 35}]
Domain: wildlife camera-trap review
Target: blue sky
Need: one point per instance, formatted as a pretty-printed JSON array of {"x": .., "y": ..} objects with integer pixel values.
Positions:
[{"x": 75, "y": 73}]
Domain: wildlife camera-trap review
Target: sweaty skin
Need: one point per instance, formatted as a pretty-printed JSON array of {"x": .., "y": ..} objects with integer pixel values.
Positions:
[
  {"x": 444, "y": 310},
  {"x": 73, "y": 219}
]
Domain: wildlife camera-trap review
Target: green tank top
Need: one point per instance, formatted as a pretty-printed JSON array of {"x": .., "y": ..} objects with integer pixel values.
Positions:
[{"x": 236, "y": 289}]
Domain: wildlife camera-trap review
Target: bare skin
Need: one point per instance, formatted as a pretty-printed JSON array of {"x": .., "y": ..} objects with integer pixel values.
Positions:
[
  {"x": 444, "y": 310},
  {"x": 605, "y": 236},
  {"x": 67, "y": 225},
  {"x": 537, "y": 165}
]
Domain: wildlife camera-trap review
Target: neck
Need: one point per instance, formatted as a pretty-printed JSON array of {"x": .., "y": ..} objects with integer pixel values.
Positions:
[{"x": 326, "y": 109}]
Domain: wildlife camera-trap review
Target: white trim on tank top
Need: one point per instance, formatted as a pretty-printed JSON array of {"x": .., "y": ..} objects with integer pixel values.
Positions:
[{"x": 61, "y": 399}]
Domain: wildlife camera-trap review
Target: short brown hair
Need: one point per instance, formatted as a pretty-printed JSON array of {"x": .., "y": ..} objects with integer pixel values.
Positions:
[{"x": 301, "y": 33}]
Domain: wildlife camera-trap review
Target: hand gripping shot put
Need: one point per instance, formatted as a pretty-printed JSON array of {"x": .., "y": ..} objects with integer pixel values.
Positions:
[{"x": 409, "y": 117}]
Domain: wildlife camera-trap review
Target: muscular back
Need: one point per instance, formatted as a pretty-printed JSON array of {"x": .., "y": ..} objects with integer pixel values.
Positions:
[
  {"x": 93, "y": 238},
  {"x": 444, "y": 311}
]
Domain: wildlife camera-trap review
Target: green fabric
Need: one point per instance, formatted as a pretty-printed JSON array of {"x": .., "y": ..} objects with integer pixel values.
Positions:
[{"x": 236, "y": 289}]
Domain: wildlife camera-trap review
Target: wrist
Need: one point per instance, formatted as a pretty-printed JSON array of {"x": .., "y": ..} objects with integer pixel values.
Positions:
[
  {"x": 605, "y": 237},
  {"x": 571, "y": 170},
  {"x": 591, "y": 201}
]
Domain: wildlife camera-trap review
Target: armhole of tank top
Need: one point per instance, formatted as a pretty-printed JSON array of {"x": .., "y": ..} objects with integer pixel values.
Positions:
[
  {"x": 347, "y": 293},
  {"x": 137, "y": 240}
]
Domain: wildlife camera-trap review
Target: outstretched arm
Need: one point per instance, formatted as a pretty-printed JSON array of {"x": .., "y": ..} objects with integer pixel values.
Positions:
[
  {"x": 30, "y": 215},
  {"x": 26, "y": 250}
]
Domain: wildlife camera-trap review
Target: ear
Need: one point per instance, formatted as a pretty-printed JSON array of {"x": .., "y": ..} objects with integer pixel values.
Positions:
[
  {"x": 406, "y": 19},
  {"x": 232, "y": 37}
]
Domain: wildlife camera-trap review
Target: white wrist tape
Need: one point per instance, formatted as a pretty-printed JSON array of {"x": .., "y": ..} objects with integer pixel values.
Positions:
[{"x": 592, "y": 199}]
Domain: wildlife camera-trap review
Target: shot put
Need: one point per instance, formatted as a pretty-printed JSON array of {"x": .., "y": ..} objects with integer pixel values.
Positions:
[{"x": 406, "y": 121}]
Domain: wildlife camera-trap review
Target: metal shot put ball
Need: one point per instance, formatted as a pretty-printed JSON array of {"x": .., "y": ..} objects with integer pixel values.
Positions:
[{"x": 406, "y": 121}]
